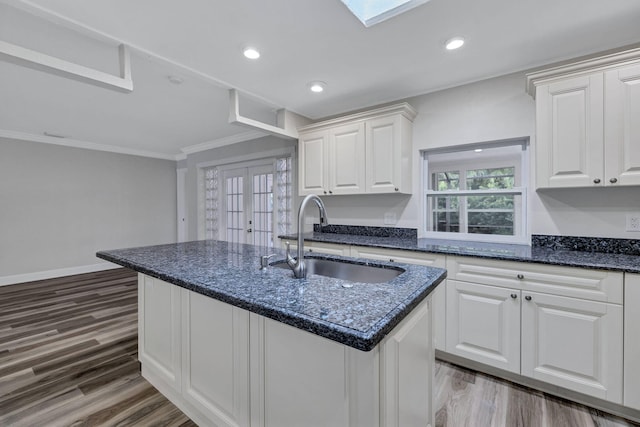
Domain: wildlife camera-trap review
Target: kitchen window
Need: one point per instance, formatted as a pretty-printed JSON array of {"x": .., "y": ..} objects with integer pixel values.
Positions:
[{"x": 477, "y": 192}]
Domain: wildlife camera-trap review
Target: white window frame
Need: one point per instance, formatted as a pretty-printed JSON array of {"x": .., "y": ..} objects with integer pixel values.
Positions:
[
  {"x": 260, "y": 158},
  {"x": 521, "y": 175}
]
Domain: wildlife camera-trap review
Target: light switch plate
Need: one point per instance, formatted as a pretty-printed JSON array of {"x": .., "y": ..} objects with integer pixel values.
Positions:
[{"x": 633, "y": 222}]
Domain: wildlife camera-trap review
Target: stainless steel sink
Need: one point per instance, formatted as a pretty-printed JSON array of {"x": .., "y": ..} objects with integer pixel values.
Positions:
[{"x": 347, "y": 271}]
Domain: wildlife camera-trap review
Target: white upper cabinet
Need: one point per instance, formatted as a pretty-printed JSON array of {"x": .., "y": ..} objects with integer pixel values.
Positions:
[
  {"x": 622, "y": 130},
  {"x": 586, "y": 122},
  {"x": 362, "y": 153}
]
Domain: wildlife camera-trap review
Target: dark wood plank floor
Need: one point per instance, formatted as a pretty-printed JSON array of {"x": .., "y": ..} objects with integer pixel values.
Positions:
[{"x": 68, "y": 357}]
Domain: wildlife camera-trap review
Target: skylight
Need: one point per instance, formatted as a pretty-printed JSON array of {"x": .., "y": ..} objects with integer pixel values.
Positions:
[{"x": 371, "y": 12}]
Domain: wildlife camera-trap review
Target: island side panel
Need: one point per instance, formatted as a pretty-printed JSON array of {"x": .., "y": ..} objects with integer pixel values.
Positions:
[
  {"x": 159, "y": 332},
  {"x": 310, "y": 380},
  {"x": 407, "y": 358}
]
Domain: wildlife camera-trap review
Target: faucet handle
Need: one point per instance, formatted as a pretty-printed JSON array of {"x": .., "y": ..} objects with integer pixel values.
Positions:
[{"x": 264, "y": 261}]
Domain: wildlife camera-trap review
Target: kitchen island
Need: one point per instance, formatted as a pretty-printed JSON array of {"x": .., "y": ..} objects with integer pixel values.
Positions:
[{"x": 231, "y": 344}]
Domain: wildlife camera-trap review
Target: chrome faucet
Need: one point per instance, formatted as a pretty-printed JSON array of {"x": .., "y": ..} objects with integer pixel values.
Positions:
[{"x": 297, "y": 265}]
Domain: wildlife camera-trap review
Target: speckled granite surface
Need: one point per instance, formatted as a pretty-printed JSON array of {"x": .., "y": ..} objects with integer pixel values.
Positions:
[
  {"x": 551, "y": 253},
  {"x": 359, "y": 316}
]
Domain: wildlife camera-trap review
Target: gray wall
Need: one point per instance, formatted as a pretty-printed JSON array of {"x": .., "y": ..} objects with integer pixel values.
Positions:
[{"x": 59, "y": 205}]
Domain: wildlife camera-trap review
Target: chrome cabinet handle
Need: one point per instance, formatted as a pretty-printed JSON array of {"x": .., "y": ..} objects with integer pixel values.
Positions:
[
  {"x": 528, "y": 297},
  {"x": 520, "y": 276},
  {"x": 596, "y": 181},
  {"x": 514, "y": 296},
  {"x": 613, "y": 180}
]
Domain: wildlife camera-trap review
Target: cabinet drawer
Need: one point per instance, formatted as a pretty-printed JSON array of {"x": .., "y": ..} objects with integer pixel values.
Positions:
[
  {"x": 395, "y": 255},
  {"x": 595, "y": 285}
]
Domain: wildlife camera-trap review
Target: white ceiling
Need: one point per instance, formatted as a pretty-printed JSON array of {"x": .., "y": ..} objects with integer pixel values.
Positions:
[{"x": 300, "y": 41}]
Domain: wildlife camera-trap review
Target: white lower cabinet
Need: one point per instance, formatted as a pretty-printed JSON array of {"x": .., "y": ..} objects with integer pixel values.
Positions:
[
  {"x": 575, "y": 344},
  {"x": 224, "y": 366},
  {"x": 215, "y": 359},
  {"x": 483, "y": 324},
  {"x": 159, "y": 331},
  {"x": 632, "y": 340},
  {"x": 571, "y": 342}
]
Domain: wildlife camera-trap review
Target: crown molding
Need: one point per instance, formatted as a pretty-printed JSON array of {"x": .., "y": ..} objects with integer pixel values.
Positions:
[
  {"x": 580, "y": 67},
  {"x": 404, "y": 108},
  {"x": 74, "y": 143},
  {"x": 221, "y": 142}
]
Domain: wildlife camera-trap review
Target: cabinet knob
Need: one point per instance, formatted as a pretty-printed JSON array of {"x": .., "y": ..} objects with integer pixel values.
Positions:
[
  {"x": 528, "y": 297},
  {"x": 325, "y": 191},
  {"x": 613, "y": 180},
  {"x": 397, "y": 189},
  {"x": 392, "y": 260},
  {"x": 520, "y": 276},
  {"x": 596, "y": 181},
  {"x": 514, "y": 296},
  {"x": 330, "y": 192}
]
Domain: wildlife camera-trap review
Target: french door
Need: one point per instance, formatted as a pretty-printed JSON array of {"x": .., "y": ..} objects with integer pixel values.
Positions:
[{"x": 247, "y": 205}]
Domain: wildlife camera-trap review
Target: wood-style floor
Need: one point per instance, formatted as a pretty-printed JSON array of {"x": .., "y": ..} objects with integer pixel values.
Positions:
[{"x": 68, "y": 357}]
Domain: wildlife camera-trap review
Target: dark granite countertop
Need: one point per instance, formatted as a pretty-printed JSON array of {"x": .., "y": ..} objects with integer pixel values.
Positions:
[
  {"x": 359, "y": 316},
  {"x": 524, "y": 253}
]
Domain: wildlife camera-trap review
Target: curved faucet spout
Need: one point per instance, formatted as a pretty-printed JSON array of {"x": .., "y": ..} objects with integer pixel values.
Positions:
[{"x": 297, "y": 265}]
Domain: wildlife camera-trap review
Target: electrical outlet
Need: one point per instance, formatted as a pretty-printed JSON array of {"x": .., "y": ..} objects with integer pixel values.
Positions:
[
  {"x": 390, "y": 218},
  {"x": 633, "y": 222}
]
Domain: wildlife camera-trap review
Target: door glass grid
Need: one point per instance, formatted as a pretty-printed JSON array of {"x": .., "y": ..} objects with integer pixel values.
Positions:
[
  {"x": 235, "y": 209},
  {"x": 263, "y": 209},
  {"x": 284, "y": 194},
  {"x": 211, "y": 203}
]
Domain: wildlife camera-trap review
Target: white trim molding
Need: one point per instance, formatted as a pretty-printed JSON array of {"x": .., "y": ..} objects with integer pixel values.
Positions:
[
  {"x": 75, "y": 143},
  {"x": 39, "y": 61},
  {"x": 60, "y": 272},
  {"x": 220, "y": 142}
]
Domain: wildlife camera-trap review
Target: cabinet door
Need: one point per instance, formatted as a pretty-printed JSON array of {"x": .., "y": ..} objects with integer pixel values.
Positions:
[
  {"x": 569, "y": 141},
  {"x": 622, "y": 126},
  {"x": 312, "y": 164},
  {"x": 159, "y": 332},
  {"x": 632, "y": 340},
  {"x": 483, "y": 324},
  {"x": 573, "y": 343},
  {"x": 346, "y": 159},
  {"x": 384, "y": 157},
  {"x": 215, "y": 343}
]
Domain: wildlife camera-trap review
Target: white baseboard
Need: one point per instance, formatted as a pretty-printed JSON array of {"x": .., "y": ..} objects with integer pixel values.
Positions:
[{"x": 50, "y": 274}]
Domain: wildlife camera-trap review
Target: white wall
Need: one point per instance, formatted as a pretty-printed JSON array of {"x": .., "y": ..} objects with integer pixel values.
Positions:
[
  {"x": 59, "y": 205},
  {"x": 491, "y": 110}
]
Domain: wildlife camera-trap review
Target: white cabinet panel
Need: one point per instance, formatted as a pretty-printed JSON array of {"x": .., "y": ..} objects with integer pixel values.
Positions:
[
  {"x": 573, "y": 343},
  {"x": 159, "y": 330},
  {"x": 346, "y": 159},
  {"x": 216, "y": 359},
  {"x": 622, "y": 126},
  {"x": 483, "y": 324},
  {"x": 363, "y": 153},
  {"x": 632, "y": 340},
  {"x": 313, "y": 172},
  {"x": 596, "y": 285},
  {"x": 569, "y": 123}
]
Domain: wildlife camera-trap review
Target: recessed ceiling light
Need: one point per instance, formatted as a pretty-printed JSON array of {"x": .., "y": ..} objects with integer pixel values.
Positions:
[
  {"x": 454, "y": 43},
  {"x": 175, "y": 80},
  {"x": 478, "y": 150},
  {"x": 251, "y": 53},
  {"x": 54, "y": 135},
  {"x": 317, "y": 87}
]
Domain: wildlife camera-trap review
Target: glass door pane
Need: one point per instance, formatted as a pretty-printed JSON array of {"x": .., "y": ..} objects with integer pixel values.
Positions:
[
  {"x": 234, "y": 208},
  {"x": 262, "y": 205}
]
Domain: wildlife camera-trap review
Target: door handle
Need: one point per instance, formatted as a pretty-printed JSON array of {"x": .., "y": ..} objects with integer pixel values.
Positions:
[{"x": 249, "y": 230}]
